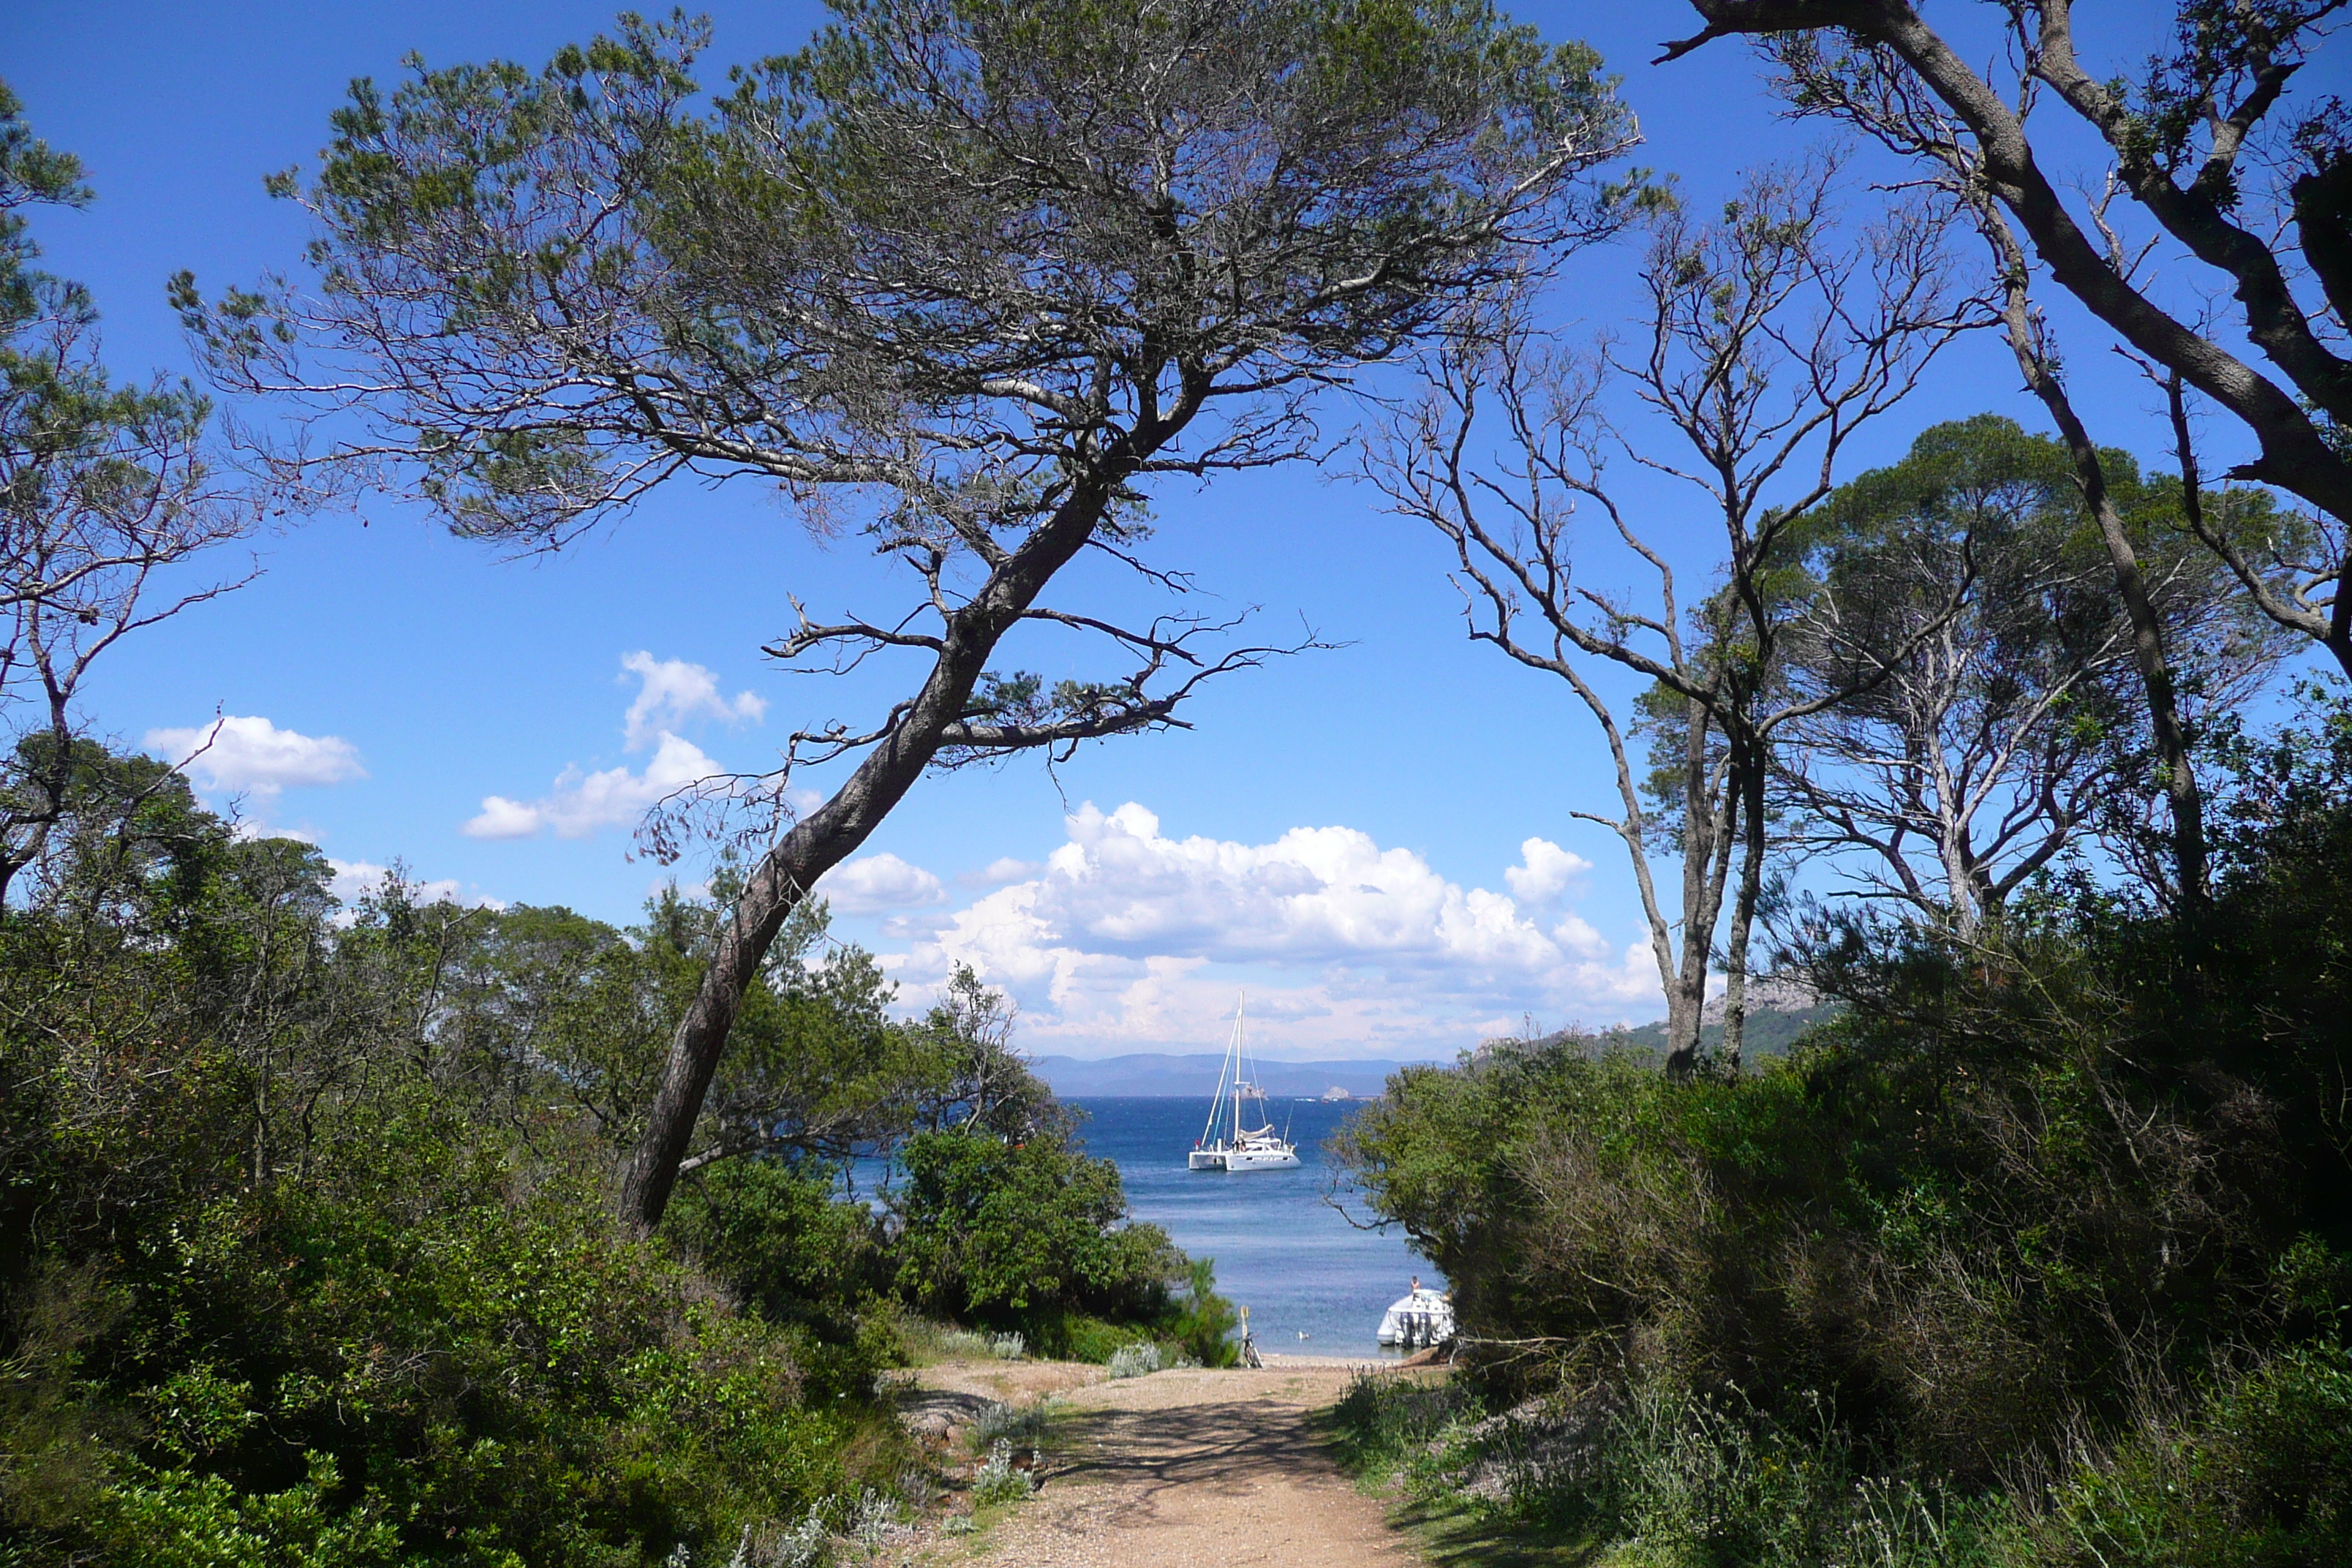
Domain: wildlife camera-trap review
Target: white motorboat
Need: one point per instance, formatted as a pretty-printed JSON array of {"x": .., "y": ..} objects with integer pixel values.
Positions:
[
  {"x": 1226, "y": 1143},
  {"x": 1421, "y": 1318}
]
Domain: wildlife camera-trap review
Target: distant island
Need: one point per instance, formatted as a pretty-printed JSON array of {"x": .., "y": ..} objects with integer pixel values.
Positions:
[{"x": 1162, "y": 1074}]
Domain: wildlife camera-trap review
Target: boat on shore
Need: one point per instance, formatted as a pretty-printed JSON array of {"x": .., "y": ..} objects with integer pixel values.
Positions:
[
  {"x": 1419, "y": 1318},
  {"x": 1226, "y": 1143}
]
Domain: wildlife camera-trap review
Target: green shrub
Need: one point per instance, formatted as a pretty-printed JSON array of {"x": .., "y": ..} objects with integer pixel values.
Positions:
[
  {"x": 1092, "y": 1340},
  {"x": 427, "y": 1346},
  {"x": 2260, "y": 1475},
  {"x": 1134, "y": 1361},
  {"x": 998, "y": 1481},
  {"x": 1004, "y": 1234},
  {"x": 784, "y": 1240},
  {"x": 176, "y": 1519},
  {"x": 1204, "y": 1321}
]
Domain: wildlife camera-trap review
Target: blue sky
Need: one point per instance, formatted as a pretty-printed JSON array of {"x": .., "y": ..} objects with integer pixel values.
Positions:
[{"x": 389, "y": 680}]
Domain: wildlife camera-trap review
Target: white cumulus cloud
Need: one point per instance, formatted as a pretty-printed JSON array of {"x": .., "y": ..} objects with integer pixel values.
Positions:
[
  {"x": 582, "y": 801},
  {"x": 1129, "y": 938},
  {"x": 672, "y": 692},
  {"x": 1545, "y": 871},
  {"x": 997, "y": 872},
  {"x": 250, "y": 755},
  {"x": 876, "y": 884}
]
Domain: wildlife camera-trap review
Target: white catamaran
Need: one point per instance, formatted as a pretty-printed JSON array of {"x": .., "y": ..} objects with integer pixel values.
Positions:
[{"x": 1224, "y": 1143}]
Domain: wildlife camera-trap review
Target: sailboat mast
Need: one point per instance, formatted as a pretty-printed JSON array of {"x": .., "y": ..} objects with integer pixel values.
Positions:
[
  {"x": 1217, "y": 1102},
  {"x": 1237, "y": 1071}
]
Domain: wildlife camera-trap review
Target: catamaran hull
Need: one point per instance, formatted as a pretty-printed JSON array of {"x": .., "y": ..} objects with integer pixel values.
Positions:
[{"x": 1240, "y": 1160}]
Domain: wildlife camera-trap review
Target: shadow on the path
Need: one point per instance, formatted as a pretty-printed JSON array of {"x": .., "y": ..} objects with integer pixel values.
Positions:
[{"x": 1231, "y": 1450}]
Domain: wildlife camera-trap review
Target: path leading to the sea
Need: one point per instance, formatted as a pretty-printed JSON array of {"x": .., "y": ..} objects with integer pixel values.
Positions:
[{"x": 1187, "y": 1468}]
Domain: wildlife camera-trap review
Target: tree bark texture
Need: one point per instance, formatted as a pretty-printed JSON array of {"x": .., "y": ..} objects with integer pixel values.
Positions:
[
  {"x": 831, "y": 833},
  {"x": 2183, "y": 799}
]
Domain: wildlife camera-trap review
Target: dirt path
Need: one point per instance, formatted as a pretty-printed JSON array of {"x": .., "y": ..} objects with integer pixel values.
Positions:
[{"x": 1186, "y": 1468}]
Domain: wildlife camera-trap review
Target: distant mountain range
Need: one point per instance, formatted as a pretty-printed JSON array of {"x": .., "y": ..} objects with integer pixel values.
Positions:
[
  {"x": 1779, "y": 1011},
  {"x": 1195, "y": 1077}
]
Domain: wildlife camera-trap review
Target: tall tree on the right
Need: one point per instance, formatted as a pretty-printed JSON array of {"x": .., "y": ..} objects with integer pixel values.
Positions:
[
  {"x": 1770, "y": 336},
  {"x": 2218, "y": 148},
  {"x": 1988, "y": 746}
]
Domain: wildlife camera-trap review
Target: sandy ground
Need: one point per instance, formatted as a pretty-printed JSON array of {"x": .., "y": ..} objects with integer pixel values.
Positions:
[{"x": 1182, "y": 1468}]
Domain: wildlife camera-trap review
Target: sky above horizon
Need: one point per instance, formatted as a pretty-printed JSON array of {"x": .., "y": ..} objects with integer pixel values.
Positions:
[{"x": 1377, "y": 844}]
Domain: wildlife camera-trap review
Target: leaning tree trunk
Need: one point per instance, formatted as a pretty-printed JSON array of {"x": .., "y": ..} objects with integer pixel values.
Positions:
[
  {"x": 831, "y": 833},
  {"x": 2184, "y": 800}
]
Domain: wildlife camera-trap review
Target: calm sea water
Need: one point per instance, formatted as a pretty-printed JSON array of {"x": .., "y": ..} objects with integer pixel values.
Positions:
[{"x": 1280, "y": 1249}]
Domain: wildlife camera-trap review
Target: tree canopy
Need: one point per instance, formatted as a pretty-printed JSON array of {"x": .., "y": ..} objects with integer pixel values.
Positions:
[{"x": 974, "y": 274}]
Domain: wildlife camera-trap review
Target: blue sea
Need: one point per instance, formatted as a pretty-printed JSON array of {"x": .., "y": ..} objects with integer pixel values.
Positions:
[{"x": 1314, "y": 1283}]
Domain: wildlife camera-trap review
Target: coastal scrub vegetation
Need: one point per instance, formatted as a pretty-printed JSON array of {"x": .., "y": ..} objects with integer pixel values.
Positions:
[
  {"x": 2027, "y": 766},
  {"x": 2036, "y": 1253},
  {"x": 309, "y": 1256},
  {"x": 337, "y": 1233}
]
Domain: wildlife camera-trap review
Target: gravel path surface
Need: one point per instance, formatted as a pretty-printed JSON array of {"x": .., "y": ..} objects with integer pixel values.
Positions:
[{"x": 1190, "y": 1468}]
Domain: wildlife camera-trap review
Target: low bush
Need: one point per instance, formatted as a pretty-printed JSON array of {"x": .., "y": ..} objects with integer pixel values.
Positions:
[
  {"x": 1092, "y": 1340},
  {"x": 1385, "y": 1419},
  {"x": 1134, "y": 1361},
  {"x": 1022, "y": 1425},
  {"x": 442, "y": 1349},
  {"x": 1203, "y": 1322},
  {"x": 1000, "y": 1481},
  {"x": 2258, "y": 1473}
]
